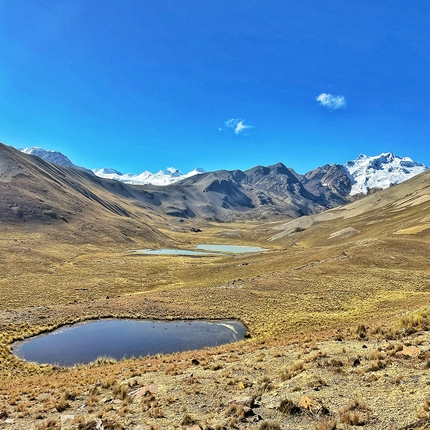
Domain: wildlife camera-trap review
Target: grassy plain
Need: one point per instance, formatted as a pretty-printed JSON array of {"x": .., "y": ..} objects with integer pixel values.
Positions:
[{"x": 312, "y": 303}]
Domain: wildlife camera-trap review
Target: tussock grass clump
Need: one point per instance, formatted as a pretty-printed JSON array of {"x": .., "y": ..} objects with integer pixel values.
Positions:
[
  {"x": 376, "y": 365},
  {"x": 90, "y": 425},
  {"x": 120, "y": 392},
  {"x": 270, "y": 426},
  {"x": 355, "y": 413},
  {"x": 102, "y": 361},
  {"x": 361, "y": 331},
  {"x": 412, "y": 323},
  {"x": 287, "y": 406},
  {"x": 108, "y": 382},
  {"x": 325, "y": 424},
  {"x": 375, "y": 355},
  {"x": 50, "y": 424},
  {"x": 393, "y": 348},
  {"x": 317, "y": 382},
  {"x": 188, "y": 420},
  {"x": 63, "y": 403},
  {"x": 265, "y": 385},
  {"x": 108, "y": 424},
  {"x": 236, "y": 414},
  {"x": 425, "y": 409},
  {"x": 292, "y": 370}
]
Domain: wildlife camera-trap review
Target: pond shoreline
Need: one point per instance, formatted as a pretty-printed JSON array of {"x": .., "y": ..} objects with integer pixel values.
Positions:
[
  {"x": 202, "y": 250},
  {"x": 125, "y": 338}
]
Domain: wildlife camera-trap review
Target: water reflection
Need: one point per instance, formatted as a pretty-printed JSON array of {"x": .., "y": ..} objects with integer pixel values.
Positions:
[{"x": 83, "y": 343}]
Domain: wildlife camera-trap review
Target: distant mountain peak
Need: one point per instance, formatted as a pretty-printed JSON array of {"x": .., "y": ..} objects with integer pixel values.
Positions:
[
  {"x": 51, "y": 156},
  {"x": 359, "y": 176},
  {"x": 55, "y": 157},
  {"x": 106, "y": 171},
  {"x": 380, "y": 171},
  {"x": 162, "y": 177}
]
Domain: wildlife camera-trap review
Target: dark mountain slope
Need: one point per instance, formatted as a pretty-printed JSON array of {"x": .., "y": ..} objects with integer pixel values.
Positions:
[
  {"x": 271, "y": 192},
  {"x": 36, "y": 190},
  {"x": 331, "y": 183},
  {"x": 67, "y": 201}
]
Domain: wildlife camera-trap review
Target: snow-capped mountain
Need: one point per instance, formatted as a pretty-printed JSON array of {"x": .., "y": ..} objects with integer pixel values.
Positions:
[
  {"x": 106, "y": 171},
  {"x": 334, "y": 181},
  {"x": 380, "y": 172},
  {"x": 53, "y": 157},
  {"x": 163, "y": 177}
]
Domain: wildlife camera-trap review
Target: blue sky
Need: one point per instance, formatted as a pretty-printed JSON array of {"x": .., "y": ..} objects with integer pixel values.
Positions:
[{"x": 143, "y": 85}]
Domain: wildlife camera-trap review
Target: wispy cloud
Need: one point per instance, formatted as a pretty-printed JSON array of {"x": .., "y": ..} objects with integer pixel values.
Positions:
[
  {"x": 331, "y": 102},
  {"x": 237, "y": 124}
]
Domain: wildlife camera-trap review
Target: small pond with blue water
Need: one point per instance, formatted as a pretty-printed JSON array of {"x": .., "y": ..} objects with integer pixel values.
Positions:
[
  {"x": 207, "y": 250},
  {"x": 118, "y": 338}
]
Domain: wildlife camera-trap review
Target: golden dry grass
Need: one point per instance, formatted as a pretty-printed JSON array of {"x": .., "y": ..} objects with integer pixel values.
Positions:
[{"x": 370, "y": 287}]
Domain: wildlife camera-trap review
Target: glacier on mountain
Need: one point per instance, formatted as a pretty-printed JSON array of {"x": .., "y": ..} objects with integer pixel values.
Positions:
[
  {"x": 163, "y": 177},
  {"x": 362, "y": 174},
  {"x": 380, "y": 171}
]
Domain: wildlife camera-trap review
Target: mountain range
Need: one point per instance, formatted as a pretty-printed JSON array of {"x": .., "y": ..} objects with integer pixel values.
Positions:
[
  {"x": 274, "y": 192},
  {"x": 360, "y": 176},
  {"x": 163, "y": 177}
]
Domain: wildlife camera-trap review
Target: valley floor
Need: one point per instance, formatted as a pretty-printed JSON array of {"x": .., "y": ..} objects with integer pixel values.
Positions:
[{"x": 338, "y": 334}]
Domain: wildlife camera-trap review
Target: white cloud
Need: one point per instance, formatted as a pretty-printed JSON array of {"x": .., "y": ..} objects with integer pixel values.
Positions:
[
  {"x": 331, "y": 102},
  {"x": 237, "y": 124}
]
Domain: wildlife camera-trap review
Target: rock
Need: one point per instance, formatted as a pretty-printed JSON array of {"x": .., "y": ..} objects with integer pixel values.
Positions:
[
  {"x": 106, "y": 400},
  {"x": 409, "y": 351},
  {"x": 248, "y": 412},
  {"x": 9, "y": 421},
  {"x": 195, "y": 361},
  {"x": 354, "y": 361},
  {"x": 195, "y": 427},
  {"x": 244, "y": 401},
  {"x": 151, "y": 389},
  {"x": 256, "y": 418},
  {"x": 313, "y": 405},
  {"x": 65, "y": 418}
]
